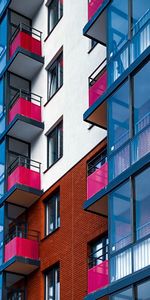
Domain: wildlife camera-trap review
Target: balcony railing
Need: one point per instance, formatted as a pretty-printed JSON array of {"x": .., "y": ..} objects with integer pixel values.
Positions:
[
  {"x": 24, "y": 171},
  {"x": 17, "y": 294},
  {"x": 130, "y": 152},
  {"x": 97, "y": 82},
  {"x": 98, "y": 179},
  {"x": 27, "y": 38},
  {"x": 133, "y": 259},
  {"x": 26, "y": 104},
  {"x": 19, "y": 242},
  {"x": 93, "y": 6},
  {"x": 98, "y": 273}
]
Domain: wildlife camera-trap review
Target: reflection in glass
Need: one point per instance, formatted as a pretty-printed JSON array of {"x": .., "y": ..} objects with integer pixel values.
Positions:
[{"x": 120, "y": 217}]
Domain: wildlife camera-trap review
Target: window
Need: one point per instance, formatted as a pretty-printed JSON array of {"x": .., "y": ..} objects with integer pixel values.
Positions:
[
  {"x": 55, "y": 76},
  {"x": 120, "y": 219},
  {"x": 127, "y": 294},
  {"x": 52, "y": 213},
  {"x": 52, "y": 285},
  {"x": 98, "y": 252},
  {"x": 55, "y": 12},
  {"x": 55, "y": 144},
  {"x": 142, "y": 204}
]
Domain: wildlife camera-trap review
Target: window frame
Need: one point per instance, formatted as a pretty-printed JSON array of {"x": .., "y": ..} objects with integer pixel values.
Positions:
[
  {"x": 58, "y": 125},
  {"x": 55, "y": 270},
  {"x": 59, "y": 14},
  {"x": 54, "y": 197},
  {"x": 59, "y": 78}
]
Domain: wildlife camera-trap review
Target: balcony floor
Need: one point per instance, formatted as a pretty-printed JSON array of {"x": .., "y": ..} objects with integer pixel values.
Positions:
[{"x": 27, "y": 8}]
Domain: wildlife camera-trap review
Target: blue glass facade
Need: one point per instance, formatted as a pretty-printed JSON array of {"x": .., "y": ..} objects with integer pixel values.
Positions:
[
  {"x": 128, "y": 144},
  {"x": 128, "y": 34},
  {"x": 3, "y": 43}
]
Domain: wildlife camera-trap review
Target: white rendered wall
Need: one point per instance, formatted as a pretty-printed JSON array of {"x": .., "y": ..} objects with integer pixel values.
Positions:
[{"x": 71, "y": 101}]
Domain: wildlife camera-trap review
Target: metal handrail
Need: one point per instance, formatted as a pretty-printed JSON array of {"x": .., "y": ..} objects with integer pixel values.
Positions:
[
  {"x": 24, "y": 161},
  {"x": 99, "y": 70},
  {"x": 21, "y": 93},
  {"x": 19, "y": 230},
  {"x": 26, "y": 28},
  {"x": 93, "y": 260},
  {"x": 98, "y": 161}
]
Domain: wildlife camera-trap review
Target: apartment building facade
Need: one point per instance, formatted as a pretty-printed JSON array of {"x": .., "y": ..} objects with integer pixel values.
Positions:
[
  {"x": 119, "y": 102},
  {"x": 47, "y": 150}
]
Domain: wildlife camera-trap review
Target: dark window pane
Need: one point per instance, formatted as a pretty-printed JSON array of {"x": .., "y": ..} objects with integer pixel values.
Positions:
[
  {"x": 53, "y": 284},
  {"x": 55, "y": 76},
  {"x": 142, "y": 195},
  {"x": 55, "y": 12},
  {"x": 120, "y": 217},
  {"x": 52, "y": 213},
  {"x": 55, "y": 144}
]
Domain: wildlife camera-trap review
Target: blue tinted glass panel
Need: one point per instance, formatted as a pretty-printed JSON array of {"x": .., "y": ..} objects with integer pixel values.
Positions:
[
  {"x": 118, "y": 26},
  {"x": 1, "y": 298},
  {"x": 2, "y": 168},
  {"x": 2, "y": 107},
  {"x": 126, "y": 295},
  {"x": 140, "y": 14},
  {"x": 142, "y": 99},
  {"x": 2, "y": 5},
  {"x": 3, "y": 43},
  {"x": 142, "y": 195},
  {"x": 143, "y": 291},
  {"x": 120, "y": 217},
  {"x": 1, "y": 233},
  {"x": 118, "y": 114}
]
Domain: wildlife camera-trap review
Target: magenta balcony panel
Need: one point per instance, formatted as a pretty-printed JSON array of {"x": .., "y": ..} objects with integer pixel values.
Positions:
[
  {"x": 25, "y": 108},
  {"x": 27, "y": 42},
  {"x": 98, "y": 277},
  {"x": 93, "y": 7},
  {"x": 24, "y": 176},
  {"x": 22, "y": 247},
  {"x": 98, "y": 88},
  {"x": 97, "y": 180}
]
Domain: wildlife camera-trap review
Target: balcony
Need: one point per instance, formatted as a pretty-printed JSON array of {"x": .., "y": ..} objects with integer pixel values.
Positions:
[
  {"x": 25, "y": 51},
  {"x": 97, "y": 181},
  {"x": 132, "y": 151},
  {"x": 26, "y": 8},
  {"x": 98, "y": 273},
  {"x": 23, "y": 182},
  {"x": 93, "y": 7},
  {"x": 21, "y": 251},
  {"x": 96, "y": 26},
  {"x": 97, "y": 87},
  {"x": 24, "y": 116}
]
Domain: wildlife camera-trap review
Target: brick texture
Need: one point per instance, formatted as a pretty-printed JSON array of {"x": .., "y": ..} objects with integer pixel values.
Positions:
[{"x": 69, "y": 244}]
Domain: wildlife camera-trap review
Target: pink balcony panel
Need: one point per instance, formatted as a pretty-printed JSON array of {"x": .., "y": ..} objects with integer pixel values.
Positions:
[
  {"x": 22, "y": 247},
  {"x": 25, "y": 108},
  {"x": 97, "y": 180},
  {"x": 98, "y": 277},
  {"x": 27, "y": 42},
  {"x": 25, "y": 176},
  {"x": 98, "y": 88},
  {"x": 93, "y": 7}
]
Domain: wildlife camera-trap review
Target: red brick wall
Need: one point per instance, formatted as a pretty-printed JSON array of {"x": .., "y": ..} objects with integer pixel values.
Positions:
[{"x": 68, "y": 244}]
